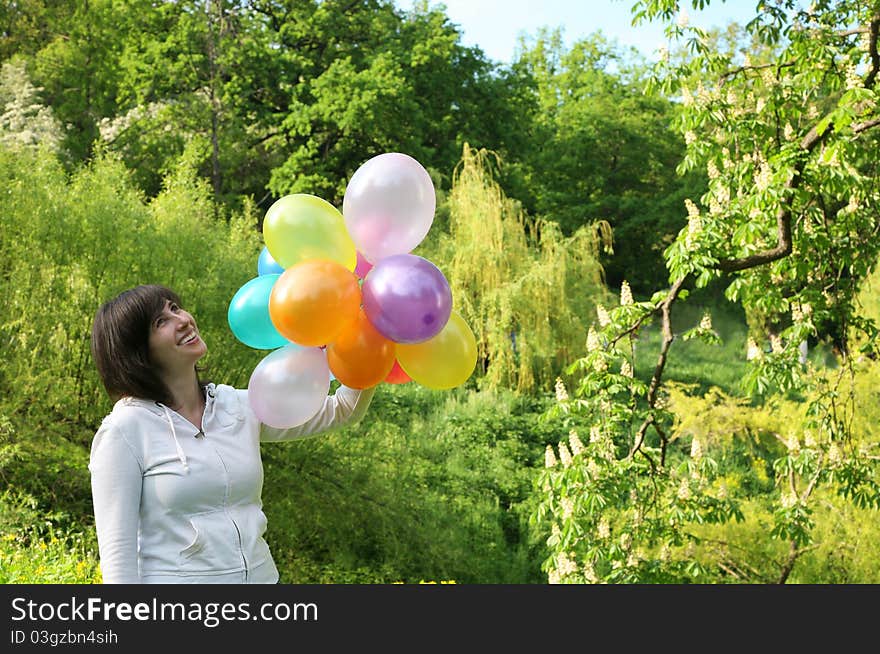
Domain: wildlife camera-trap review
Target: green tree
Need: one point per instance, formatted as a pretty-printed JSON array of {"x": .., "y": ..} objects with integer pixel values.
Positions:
[
  {"x": 385, "y": 81},
  {"x": 78, "y": 68},
  {"x": 23, "y": 119},
  {"x": 523, "y": 287},
  {"x": 788, "y": 144},
  {"x": 601, "y": 149}
]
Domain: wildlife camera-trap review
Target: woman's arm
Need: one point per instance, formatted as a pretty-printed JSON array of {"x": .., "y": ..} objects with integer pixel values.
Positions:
[
  {"x": 345, "y": 407},
  {"x": 117, "y": 478}
]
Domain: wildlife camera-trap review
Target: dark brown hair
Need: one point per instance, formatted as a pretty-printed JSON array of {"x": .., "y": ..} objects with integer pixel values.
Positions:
[{"x": 121, "y": 343}]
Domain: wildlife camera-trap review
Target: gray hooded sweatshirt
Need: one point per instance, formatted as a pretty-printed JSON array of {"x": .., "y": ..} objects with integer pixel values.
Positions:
[{"x": 177, "y": 505}]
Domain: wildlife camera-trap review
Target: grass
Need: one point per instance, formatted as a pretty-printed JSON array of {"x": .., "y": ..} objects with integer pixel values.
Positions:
[{"x": 702, "y": 364}]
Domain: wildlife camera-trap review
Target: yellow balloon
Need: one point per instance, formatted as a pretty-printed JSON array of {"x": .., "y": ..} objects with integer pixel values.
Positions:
[
  {"x": 443, "y": 361},
  {"x": 302, "y": 227}
]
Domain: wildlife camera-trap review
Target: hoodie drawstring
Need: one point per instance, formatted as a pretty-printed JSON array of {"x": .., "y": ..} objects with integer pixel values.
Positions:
[{"x": 180, "y": 453}]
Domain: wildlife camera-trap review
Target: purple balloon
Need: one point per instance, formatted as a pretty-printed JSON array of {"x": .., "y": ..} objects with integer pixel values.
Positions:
[{"x": 407, "y": 298}]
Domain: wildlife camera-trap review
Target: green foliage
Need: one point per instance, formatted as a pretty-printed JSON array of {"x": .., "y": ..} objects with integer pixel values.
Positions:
[
  {"x": 791, "y": 211},
  {"x": 429, "y": 486},
  {"x": 522, "y": 287},
  {"x": 689, "y": 507},
  {"x": 34, "y": 550},
  {"x": 676, "y": 483},
  {"x": 600, "y": 149},
  {"x": 67, "y": 245}
]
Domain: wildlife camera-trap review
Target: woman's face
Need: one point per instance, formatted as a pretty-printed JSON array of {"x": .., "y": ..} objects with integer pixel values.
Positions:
[{"x": 175, "y": 344}]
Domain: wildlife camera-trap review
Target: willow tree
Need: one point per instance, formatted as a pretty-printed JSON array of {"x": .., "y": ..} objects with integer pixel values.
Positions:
[
  {"x": 526, "y": 290},
  {"x": 789, "y": 144}
]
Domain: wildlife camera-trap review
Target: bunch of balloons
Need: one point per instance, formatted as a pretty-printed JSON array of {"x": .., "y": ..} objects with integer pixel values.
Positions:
[{"x": 340, "y": 294}]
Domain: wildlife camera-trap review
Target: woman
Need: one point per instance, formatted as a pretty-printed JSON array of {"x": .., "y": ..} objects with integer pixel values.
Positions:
[{"x": 176, "y": 470}]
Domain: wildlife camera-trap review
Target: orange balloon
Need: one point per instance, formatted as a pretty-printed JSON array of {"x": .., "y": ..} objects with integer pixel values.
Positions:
[
  {"x": 397, "y": 375},
  {"x": 313, "y": 301},
  {"x": 360, "y": 357}
]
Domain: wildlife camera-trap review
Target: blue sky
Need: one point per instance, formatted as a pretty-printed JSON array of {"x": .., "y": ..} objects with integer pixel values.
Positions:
[{"x": 494, "y": 25}]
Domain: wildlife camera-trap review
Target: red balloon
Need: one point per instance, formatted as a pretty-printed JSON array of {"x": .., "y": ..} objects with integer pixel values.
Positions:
[{"x": 397, "y": 375}]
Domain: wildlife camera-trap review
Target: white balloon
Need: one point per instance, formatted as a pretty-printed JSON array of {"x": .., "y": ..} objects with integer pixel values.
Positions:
[
  {"x": 289, "y": 386},
  {"x": 389, "y": 205}
]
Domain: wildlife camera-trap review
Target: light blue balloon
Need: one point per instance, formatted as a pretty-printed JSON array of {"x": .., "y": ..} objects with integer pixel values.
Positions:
[
  {"x": 249, "y": 318},
  {"x": 266, "y": 264}
]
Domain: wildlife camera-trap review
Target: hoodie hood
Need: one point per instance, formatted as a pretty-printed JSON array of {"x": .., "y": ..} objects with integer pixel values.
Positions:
[{"x": 163, "y": 411}]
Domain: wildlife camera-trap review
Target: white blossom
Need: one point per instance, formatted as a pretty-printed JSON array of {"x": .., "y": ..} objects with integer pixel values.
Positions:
[
  {"x": 776, "y": 343},
  {"x": 683, "y": 19},
  {"x": 695, "y": 228},
  {"x": 564, "y": 454},
  {"x": 561, "y": 392},
  {"x": 590, "y": 574},
  {"x": 686, "y": 98},
  {"x": 626, "y": 296},
  {"x": 696, "y": 449},
  {"x": 853, "y": 81},
  {"x": 593, "y": 344},
  {"x": 602, "y": 313},
  {"x": 853, "y": 204},
  {"x": 684, "y": 490},
  {"x": 565, "y": 565},
  {"x": 726, "y": 161},
  {"x": 626, "y": 369},
  {"x": 24, "y": 120},
  {"x": 764, "y": 176},
  {"x": 834, "y": 454},
  {"x": 567, "y": 508},
  {"x": 706, "y": 322},
  {"x": 575, "y": 442},
  {"x": 549, "y": 457},
  {"x": 810, "y": 439},
  {"x": 712, "y": 169}
]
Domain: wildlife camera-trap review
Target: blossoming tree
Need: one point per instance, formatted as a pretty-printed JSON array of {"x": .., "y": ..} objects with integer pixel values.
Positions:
[{"x": 785, "y": 122}]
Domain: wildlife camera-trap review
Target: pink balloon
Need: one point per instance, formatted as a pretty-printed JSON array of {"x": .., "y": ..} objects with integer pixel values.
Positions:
[
  {"x": 363, "y": 266},
  {"x": 389, "y": 205},
  {"x": 289, "y": 386}
]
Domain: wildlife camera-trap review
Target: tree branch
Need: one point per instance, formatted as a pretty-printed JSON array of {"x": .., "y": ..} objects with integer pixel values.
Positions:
[
  {"x": 808, "y": 144},
  {"x": 868, "y": 124},
  {"x": 874, "y": 28},
  {"x": 654, "y": 386}
]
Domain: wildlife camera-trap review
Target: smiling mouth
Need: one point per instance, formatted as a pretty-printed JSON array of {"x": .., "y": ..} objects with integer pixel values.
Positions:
[{"x": 189, "y": 339}]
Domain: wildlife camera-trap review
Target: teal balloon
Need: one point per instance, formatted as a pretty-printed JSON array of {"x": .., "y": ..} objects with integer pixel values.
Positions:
[
  {"x": 266, "y": 264},
  {"x": 249, "y": 318}
]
